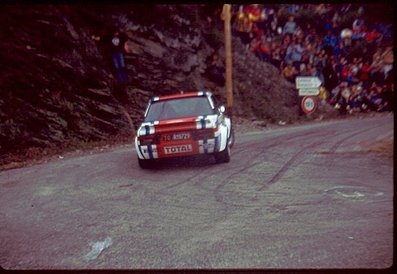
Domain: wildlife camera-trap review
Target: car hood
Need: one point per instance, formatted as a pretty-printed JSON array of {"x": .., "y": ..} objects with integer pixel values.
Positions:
[{"x": 178, "y": 124}]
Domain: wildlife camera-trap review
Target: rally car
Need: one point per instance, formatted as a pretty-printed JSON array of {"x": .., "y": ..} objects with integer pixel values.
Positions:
[{"x": 183, "y": 124}]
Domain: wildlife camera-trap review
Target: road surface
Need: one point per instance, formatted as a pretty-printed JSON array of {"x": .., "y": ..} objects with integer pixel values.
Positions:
[{"x": 308, "y": 196}]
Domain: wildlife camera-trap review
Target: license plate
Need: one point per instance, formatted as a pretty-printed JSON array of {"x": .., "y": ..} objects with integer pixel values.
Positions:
[
  {"x": 176, "y": 136},
  {"x": 178, "y": 149}
]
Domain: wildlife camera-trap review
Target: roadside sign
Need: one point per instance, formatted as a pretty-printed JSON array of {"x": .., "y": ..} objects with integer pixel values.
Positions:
[
  {"x": 307, "y": 85},
  {"x": 309, "y": 104},
  {"x": 307, "y": 82},
  {"x": 309, "y": 92}
]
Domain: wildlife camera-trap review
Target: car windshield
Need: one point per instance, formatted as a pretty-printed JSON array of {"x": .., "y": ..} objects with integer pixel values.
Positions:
[{"x": 178, "y": 108}]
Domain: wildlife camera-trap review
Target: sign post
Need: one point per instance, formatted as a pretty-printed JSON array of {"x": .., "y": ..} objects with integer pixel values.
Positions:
[{"x": 308, "y": 87}]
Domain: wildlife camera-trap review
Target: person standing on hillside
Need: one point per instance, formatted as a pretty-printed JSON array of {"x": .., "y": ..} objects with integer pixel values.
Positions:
[
  {"x": 330, "y": 76},
  {"x": 290, "y": 27},
  {"x": 117, "y": 45},
  {"x": 290, "y": 72}
]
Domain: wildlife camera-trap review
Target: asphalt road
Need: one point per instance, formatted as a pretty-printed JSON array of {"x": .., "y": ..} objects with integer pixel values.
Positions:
[{"x": 308, "y": 196}]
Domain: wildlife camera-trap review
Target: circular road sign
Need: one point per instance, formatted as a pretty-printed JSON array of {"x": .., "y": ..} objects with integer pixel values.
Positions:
[{"x": 309, "y": 104}]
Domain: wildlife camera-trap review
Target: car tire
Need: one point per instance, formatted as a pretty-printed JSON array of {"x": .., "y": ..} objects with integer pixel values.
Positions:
[
  {"x": 223, "y": 156},
  {"x": 231, "y": 138},
  {"x": 145, "y": 164}
]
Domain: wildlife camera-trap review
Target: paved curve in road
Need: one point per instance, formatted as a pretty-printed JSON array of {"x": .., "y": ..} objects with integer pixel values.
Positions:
[{"x": 308, "y": 196}]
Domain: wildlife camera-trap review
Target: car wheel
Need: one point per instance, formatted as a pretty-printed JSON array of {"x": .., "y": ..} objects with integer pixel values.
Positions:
[
  {"x": 231, "y": 138},
  {"x": 223, "y": 156},
  {"x": 145, "y": 164}
]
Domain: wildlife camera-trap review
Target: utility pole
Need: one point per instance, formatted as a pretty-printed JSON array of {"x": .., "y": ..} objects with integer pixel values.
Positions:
[{"x": 226, "y": 16}]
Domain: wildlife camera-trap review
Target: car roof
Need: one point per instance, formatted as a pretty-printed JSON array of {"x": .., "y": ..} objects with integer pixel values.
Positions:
[{"x": 181, "y": 95}]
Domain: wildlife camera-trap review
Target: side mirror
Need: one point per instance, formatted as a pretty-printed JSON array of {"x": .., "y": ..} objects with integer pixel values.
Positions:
[{"x": 222, "y": 109}]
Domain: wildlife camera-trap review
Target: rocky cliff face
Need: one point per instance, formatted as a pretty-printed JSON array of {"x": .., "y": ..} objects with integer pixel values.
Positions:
[{"x": 57, "y": 83}]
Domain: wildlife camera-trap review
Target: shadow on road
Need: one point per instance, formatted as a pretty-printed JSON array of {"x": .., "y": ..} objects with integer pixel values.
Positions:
[{"x": 184, "y": 162}]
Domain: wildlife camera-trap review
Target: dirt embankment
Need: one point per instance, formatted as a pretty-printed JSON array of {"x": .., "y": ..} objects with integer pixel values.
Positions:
[{"x": 58, "y": 92}]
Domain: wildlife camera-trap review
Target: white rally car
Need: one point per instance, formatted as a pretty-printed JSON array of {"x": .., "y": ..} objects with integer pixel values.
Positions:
[{"x": 184, "y": 124}]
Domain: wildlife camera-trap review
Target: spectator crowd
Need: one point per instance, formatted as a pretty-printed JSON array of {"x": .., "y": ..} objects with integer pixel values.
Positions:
[{"x": 352, "y": 58}]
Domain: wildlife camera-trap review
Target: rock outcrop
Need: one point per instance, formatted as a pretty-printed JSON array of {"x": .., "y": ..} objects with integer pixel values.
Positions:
[{"x": 57, "y": 82}]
